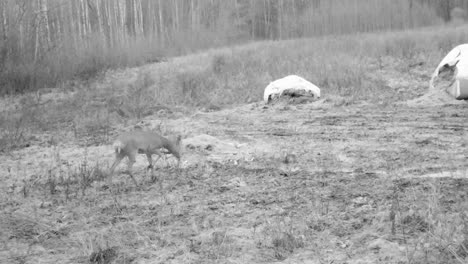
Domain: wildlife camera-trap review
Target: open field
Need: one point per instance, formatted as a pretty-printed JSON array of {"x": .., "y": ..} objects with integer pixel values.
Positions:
[
  {"x": 359, "y": 176},
  {"x": 368, "y": 184}
]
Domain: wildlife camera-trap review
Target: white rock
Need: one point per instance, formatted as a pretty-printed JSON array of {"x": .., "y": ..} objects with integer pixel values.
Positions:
[
  {"x": 290, "y": 82},
  {"x": 457, "y": 58}
]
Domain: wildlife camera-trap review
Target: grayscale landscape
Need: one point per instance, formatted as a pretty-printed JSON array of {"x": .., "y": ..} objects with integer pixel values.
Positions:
[{"x": 373, "y": 171}]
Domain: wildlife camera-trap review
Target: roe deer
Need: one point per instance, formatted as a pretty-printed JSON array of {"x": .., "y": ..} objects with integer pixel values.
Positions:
[{"x": 143, "y": 142}]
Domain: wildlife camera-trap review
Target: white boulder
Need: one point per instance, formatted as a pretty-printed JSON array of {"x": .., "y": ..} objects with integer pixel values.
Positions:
[
  {"x": 455, "y": 61},
  {"x": 291, "y": 83}
]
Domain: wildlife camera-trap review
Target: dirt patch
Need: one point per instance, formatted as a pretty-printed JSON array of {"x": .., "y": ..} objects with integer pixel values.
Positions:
[
  {"x": 437, "y": 95},
  {"x": 435, "y": 98},
  {"x": 210, "y": 143}
]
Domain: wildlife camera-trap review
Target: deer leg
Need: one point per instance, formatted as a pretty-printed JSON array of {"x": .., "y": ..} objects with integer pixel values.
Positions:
[
  {"x": 131, "y": 160},
  {"x": 157, "y": 152},
  {"x": 150, "y": 161},
  {"x": 118, "y": 159}
]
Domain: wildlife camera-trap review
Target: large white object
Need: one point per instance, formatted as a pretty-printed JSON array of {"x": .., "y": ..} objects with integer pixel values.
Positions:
[
  {"x": 291, "y": 82},
  {"x": 456, "y": 59}
]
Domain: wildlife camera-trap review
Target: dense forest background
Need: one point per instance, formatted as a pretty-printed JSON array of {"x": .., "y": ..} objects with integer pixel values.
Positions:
[{"x": 45, "y": 42}]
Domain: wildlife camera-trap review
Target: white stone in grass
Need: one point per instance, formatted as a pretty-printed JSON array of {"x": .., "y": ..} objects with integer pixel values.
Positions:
[
  {"x": 290, "y": 83},
  {"x": 456, "y": 62}
]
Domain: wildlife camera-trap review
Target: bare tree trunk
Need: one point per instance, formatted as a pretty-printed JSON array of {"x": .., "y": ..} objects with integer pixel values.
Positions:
[
  {"x": 140, "y": 11},
  {"x": 21, "y": 20},
  {"x": 82, "y": 19},
  {"x": 4, "y": 22},
  {"x": 71, "y": 24},
  {"x": 265, "y": 19},
  {"x": 4, "y": 51},
  {"x": 99, "y": 20},
  {"x": 109, "y": 23},
  {"x": 161, "y": 22},
  {"x": 154, "y": 20},
  {"x": 42, "y": 39},
  {"x": 58, "y": 23},
  {"x": 176, "y": 16},
  {"x": 21, "y": 37},
  {"x": 411, "y": 22},
  {"x": 87, "y": 22},
  {"x": 151, "y": 20},
  {"x": 236, "y": 11},
  {"x": 45, "y": 13},
  {"x": 121, "y": 9},
  {"x": 84, "y": 23},
  {"x": 253, "y": 18},
  {"x": 115, "y": 20},
  {"x": 37, "y": 30},
  {"x": 78, "y": 20},
  {"x": 280, "y": 19},
  {"x": 150, "y": 25},
  {"x": 134, "y": 17},
  {"x": 192, "y": 13}
]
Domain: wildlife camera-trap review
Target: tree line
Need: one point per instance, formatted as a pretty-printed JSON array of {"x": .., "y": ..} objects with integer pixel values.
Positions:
[{"x": 46, "y": 41}]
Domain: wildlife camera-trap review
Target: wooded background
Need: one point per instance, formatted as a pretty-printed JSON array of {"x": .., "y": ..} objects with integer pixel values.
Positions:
[{"x": 44, "y": 42}]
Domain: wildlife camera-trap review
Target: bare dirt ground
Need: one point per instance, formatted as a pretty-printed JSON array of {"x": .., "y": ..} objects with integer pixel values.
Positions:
[{"x": 311, "y": 183}]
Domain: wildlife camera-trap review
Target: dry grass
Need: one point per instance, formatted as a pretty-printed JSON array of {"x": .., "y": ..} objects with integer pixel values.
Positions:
[
  {"x": 347, "y": 68},
  {"x": 317, "y": 207},
  {"x": 74, "y": 54},
  {"x": 336, "y": 200},
  {"x": 420, "y": 209},
  {"x": 342, "y": 66}
]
